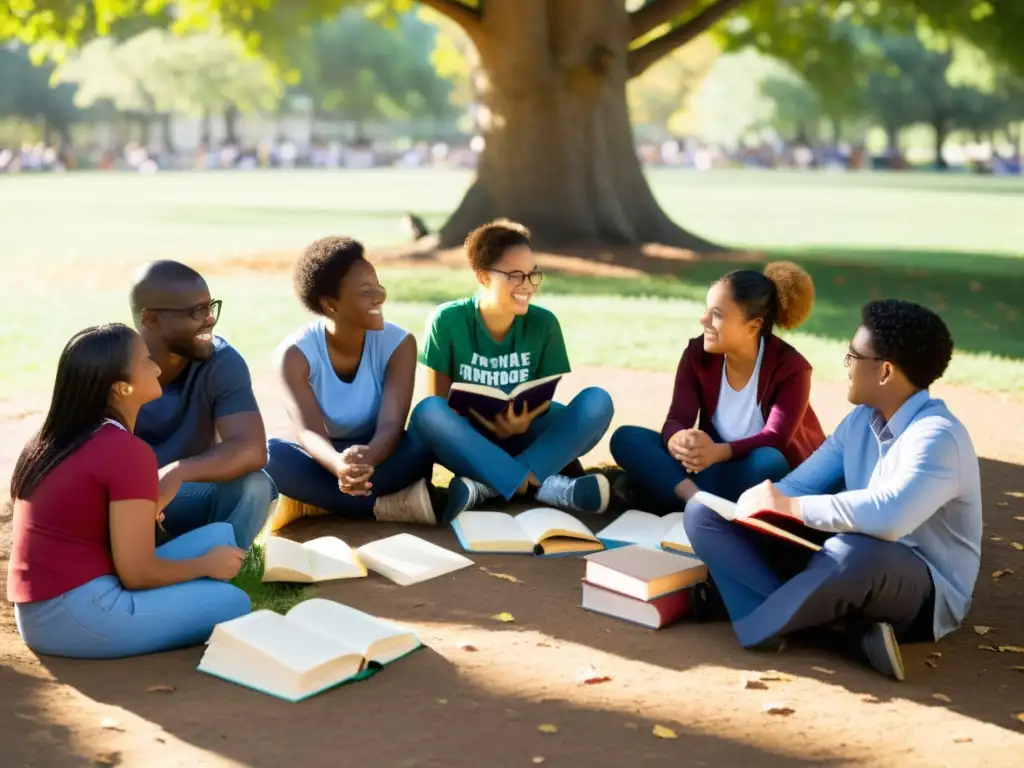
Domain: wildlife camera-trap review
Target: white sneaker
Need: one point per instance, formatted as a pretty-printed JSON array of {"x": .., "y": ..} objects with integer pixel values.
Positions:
[{"x": 410, "y": 505}]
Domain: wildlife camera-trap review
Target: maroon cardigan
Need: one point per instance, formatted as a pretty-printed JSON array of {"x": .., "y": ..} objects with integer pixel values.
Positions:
[{"x": 783, "y": 391}]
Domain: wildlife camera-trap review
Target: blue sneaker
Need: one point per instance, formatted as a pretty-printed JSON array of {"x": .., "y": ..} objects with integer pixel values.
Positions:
[
  {"x": 590, "y": 493},
  {"x": 464, "y": 494},
  {"x": 882, "y": 651}
]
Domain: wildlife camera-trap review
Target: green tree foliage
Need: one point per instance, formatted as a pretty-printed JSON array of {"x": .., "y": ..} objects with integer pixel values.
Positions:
[{"x": 26, "y": 93}]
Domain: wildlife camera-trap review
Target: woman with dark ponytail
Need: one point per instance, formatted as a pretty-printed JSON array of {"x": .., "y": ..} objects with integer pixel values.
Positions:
[
  {"x": 740, "y": 410},
  {"x": 85, "y": 575}
]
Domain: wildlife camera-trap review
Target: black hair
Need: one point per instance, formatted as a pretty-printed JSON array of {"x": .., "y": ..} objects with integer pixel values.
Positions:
[
  {"x": 91, "y": 363},
  {"x": 488, "y": 243},
  {"x": 154, "y": 277},
  {"x": 911, "y": 337},
  {"x": 782, "y": 295},
  {"x": 321, "y": 268}
]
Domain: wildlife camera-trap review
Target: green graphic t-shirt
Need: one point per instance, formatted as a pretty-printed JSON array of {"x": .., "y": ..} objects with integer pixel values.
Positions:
[{"x": 459, "y": 345}]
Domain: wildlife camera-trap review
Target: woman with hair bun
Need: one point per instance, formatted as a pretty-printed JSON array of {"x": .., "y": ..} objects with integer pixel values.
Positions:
[{"x": 740, "y": 410}]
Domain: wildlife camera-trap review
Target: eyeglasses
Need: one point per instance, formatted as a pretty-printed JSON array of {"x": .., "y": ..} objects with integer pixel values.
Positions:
[
  {"x": 198, "y": 313},
  {"x": 851, "y": 356},
  {"x": 536, "y": 277}
]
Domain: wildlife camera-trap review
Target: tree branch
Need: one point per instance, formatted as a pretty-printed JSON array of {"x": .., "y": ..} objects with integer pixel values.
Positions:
[
  {"x": 653, "y": 14},
  {"x": 639, "y": 60},
  {"x": 468, "y": 18}
]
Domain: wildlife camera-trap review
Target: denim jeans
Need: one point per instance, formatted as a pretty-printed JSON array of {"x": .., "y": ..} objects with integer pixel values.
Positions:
[
  {"x": 654, "y": 474},
  {"x": 243, "y": 502},
  {"x": 772, "y": 588},
  {"x": 553, "y": 441},
  {"x": 299, "y": 476},
  {"x": 103, "y": 620}
]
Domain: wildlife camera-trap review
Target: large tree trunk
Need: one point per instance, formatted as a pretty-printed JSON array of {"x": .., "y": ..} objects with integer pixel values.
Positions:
[
  {"x": 940, "y": 127},
  {"x": 559, "y": 153}
]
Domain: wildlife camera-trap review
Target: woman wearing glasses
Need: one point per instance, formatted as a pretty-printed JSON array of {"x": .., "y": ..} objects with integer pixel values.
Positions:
[
  {"x": 740, "y": 410},
  {"x": 500, "y": 338},
  {"x": 348, "y": 381}
]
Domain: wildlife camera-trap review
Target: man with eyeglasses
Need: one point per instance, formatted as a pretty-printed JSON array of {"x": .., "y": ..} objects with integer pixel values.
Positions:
[
  {"x": 206, "y": 428},
  {"x": 893, "y": 496}
]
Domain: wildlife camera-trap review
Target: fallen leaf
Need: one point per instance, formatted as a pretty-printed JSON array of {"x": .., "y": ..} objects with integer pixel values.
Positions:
[
  {"x": 505, "y": 617},
  {"x": 1015, "y": 494},
  {"x": 1002, "y": 572},
  {"x": 1019, "y": 518},
  {"x": 1020, "y": 716},
  {"x": 942, "y": 697},
  {"x": 995, "y": 538},
  {"x": 469, "y": 647},
  {"x": 504, "y": 577},
  {"x": 752, "y": 684},
  {"x": 771, "y": 676},
  {"x": 1017, "y": 545},
  {"x": 632, "y": 726},
  {"x": 547, "y": 728},
  {"x": 161, "y": 688},
  {"x": 779, "y": 709},
  {"x": 442, "y": 701},
  {"x": 934, "y": 655},
  {"x": 982, "y": 630},
  {"x": 110, "y": 724},
  {"x": 987, "y": 647},
  {"x": 932, "y": 664},
  {"x": 664, "y": 733},
  {"x": 1002, "y": 503},
  {"x": 824, "y": 670},
  {"x": 545, "y": 645},
  {"x": 1010, "y": 649},
  {"x": 1017, "y": 669},
  {"x": 961, "y": 739},
  {"x": 590, "y": 676},
  {"x": 107, "y": 758},
  {"x": 537, "y": 760}
]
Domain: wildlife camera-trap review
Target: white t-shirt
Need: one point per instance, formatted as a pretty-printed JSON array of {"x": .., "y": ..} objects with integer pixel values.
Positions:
[{"x": 738, "y": 414}]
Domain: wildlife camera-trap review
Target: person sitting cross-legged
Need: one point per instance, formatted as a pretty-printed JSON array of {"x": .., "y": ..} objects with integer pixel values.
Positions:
[
  {"x": 348, "y": 381},
  {"x": 206, "y": 428},
  {"x": 893, "y": 496}
]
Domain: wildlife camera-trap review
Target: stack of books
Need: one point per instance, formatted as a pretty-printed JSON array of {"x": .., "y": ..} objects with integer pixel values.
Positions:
[{"x": 642, "y": 585}]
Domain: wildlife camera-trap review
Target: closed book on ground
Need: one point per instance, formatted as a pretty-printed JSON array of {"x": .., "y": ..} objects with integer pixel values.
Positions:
[
  {"x": 316, "y": 645},
  {"x": 540, "y": 531},
  {"x": 653, "y": 614},
  {"x": 490, "y": 401},
  {"x": 636, "y": 527},
  {"x": 642, "y": 572},
  {"x": 762, "y": 520},
  {"x": 320, "y": 559},
  {"x": 408, "y": 559}
]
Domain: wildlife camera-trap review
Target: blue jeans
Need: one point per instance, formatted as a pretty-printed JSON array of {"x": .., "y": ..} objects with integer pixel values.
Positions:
[
  {"x": 299, "y": 476},
  {"x": 103, "y": 620},
  {"x": 654, "y": 474},
  {"x": 554, "y": 440},
  {"x": 772, "y": 588},
  {"x": 243, "y": 502}
]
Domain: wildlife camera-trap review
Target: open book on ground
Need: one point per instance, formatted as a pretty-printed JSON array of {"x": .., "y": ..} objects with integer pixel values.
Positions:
[
  {"x": 765, "y": 521},
  {"x": 320, "y": 559},
  {"x": 316, "y": 645},
  {"x": 636, "y": 527},
  {"x": 408, "y": 559},
  {"x": 540, "y": 531},
  {"x": 490, "y": 401},
  {"x": 643, "y": 573}
]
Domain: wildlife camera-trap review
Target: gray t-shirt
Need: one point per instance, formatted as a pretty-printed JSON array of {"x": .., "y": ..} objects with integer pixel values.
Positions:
[{"x": 180, "y": 424}]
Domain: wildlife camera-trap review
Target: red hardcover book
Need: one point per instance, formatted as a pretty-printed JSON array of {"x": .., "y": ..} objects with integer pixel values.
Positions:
[
  {"x": 765, "y": 521},
  {"x": 653, "y": 614}
]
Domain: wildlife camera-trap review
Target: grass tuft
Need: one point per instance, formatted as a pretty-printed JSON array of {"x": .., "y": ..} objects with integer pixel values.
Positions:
[{"x": 274, "y": 596}]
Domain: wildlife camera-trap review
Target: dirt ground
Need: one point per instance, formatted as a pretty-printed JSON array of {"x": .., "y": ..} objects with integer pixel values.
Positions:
[{"x": 448, "y": 706}]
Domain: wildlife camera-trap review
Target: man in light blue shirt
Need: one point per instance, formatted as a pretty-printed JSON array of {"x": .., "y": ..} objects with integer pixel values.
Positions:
[{"x": 893, "y": 496}]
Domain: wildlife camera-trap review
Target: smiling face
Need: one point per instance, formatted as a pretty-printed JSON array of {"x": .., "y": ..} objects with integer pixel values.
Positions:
[
  {"x": 360, "y": 298},
  {"x": 508, "y": 283},
  {"x": 183, "y": 315},
  {"x": 727, "y": 328}
]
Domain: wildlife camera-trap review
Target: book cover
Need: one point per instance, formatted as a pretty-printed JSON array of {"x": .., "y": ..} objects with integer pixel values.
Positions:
[
  {"x": 490, "y": 401},
  {"x": 652, "y": 614}
]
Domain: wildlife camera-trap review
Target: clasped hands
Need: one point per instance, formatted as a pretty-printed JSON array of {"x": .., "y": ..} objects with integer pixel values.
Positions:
[
  {"x": 508, "y": 423},
  {"x": 354, "y": 471},
  {"x": 696, "y": 451}
]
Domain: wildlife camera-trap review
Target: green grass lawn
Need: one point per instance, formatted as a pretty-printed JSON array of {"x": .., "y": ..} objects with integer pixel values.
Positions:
[{"x": 952, "y": 243}]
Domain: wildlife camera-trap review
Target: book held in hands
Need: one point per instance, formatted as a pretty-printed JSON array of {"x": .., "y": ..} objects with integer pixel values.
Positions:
[
  {"x": 318, "y": 644},
  {"x": 488, "y": 402},
  {"x": 636, "y": 527},
  {"x": 540, "y": 531},
  {"x": 322, "y": 559},
  {"x": 763, "y": 520}
]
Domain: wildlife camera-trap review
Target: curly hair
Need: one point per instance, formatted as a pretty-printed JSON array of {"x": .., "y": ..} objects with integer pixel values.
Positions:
[
  {"x": 911, "y": 337},
  {"x": 321, "y": 268},
  {"x": 488, "y": 243},
  {"x": 782, "y": 295}
]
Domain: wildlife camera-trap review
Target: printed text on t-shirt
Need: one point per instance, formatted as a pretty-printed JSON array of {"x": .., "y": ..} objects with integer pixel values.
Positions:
[{"x": 513, "y": 368}]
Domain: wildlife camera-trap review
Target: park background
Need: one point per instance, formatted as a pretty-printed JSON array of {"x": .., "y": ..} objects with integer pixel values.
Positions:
[{"x": 879, "y": 148}]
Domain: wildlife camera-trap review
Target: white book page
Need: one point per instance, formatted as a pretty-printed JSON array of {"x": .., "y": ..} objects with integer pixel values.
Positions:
[
  {"x": 341, "y": 623},
  {"x": 332, "y": 558},
  {"x": 285, "y": 560},
  {"x": 638, "y": 527},
  {"x": 408, "y": 559},
  {"x": 492, "y": 531},
  {"x": 677, "y": 535},
  {"x": 290, "y": 645},
  {"x": 542, "y": 522},
  {"x": 723, "y": 507}
]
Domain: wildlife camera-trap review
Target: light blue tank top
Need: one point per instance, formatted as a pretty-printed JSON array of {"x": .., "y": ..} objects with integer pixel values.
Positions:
[{"x": 349, "y": 408}]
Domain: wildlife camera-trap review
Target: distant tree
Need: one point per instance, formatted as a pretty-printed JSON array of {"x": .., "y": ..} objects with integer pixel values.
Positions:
[
  {"x": 26, "y": 93},
  {"x": 660, "y": 96}
]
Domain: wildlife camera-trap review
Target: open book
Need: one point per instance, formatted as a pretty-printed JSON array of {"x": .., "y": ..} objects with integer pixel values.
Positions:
[
  {"x": 490, "y": 401},
  {"x": 408, "y": 559},
  {"x": 541, "y": 531},
  {"x": 316, "y": 645},
  {"x": 762, "y": 520},
  {"x": 321, "y": 559},
  {"x": 636, "y": 527}
]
